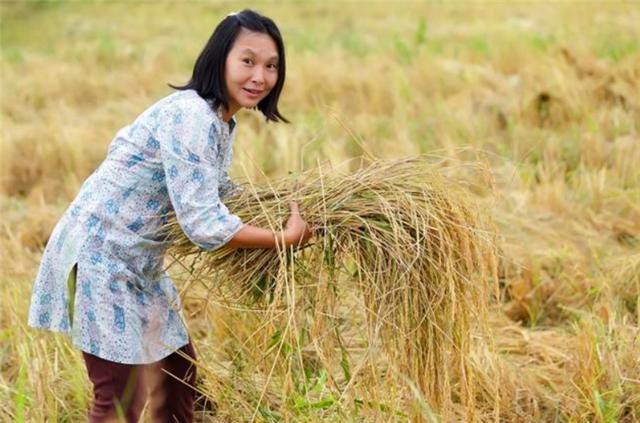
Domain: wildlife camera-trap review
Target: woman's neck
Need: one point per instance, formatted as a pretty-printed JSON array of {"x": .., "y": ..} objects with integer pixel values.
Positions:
[{"x": 227, "y": 114}]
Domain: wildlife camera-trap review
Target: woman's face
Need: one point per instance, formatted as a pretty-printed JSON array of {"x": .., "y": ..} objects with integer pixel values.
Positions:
[{"x": 251, "y": 70}]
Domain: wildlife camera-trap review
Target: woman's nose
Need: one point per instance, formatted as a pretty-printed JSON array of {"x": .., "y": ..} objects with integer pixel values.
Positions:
[{"x": 258, "y": 75}]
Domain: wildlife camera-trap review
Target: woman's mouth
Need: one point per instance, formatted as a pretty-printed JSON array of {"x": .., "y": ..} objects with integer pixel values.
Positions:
[{"x": 253, "y": 93}]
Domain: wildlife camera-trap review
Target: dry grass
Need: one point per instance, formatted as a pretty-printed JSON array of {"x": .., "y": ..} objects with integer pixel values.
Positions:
[
  {"x": 543, "y": 96},
  {"x": 406, "y": 240}
]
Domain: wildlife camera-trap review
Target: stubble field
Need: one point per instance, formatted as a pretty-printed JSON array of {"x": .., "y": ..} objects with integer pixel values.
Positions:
[{"x": 544, "y": 97}]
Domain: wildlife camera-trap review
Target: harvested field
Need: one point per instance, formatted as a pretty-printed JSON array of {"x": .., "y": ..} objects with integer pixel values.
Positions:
[{"x": 525, "y": 118}]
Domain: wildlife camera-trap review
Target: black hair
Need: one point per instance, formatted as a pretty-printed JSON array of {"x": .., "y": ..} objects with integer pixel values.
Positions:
[{"x": 208, "y": 78}]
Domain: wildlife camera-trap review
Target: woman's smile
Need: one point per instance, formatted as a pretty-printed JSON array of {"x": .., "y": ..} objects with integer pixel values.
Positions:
[{"x": 253, "y": 93}]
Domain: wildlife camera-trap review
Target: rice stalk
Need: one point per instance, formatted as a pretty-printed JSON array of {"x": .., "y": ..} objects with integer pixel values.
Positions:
[{"x": 399, "y": 233}]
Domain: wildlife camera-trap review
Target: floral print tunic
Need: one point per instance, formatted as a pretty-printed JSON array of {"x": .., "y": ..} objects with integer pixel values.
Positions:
[{"x": 173, "y": 157}]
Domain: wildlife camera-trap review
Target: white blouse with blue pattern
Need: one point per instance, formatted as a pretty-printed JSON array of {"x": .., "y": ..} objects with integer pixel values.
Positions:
[{"x": 174, "y": 157}]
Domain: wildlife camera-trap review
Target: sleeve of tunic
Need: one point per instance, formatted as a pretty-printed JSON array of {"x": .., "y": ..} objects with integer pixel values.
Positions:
[
  {"x": 189, "y": 153},
  {"x": 228, "y": 188}
]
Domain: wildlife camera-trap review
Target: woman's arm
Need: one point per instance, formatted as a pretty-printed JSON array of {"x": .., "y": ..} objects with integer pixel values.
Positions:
[
  {"x": 296, "y": 233},
  {"x": 253, "y": 237}
]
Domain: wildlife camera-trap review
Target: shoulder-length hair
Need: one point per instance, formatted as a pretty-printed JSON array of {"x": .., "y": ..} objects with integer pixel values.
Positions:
[{"x": 208, "y": 78}]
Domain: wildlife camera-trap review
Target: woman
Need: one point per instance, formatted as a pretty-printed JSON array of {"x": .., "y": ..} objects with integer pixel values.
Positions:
[{"x": 125, "y": 313}]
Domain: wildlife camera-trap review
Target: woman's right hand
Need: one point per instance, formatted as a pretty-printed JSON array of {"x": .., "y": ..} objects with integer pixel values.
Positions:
[{"x": 296, "y": 231}]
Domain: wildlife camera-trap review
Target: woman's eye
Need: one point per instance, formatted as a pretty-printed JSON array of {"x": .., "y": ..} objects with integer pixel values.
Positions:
[
  {"x": 247, "y": 61},
  {"x": 272, "y": 66}
]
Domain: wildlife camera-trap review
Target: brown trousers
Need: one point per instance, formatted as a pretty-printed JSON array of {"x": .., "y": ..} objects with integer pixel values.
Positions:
[{"x": 121, "y": 391}]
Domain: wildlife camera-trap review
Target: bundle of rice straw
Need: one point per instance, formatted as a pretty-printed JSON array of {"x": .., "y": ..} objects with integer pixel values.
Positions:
[{"x": 399, "y": 232}]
